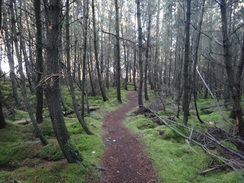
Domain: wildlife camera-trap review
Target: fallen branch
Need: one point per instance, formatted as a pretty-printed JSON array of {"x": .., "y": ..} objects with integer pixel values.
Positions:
[
  {"x": 233, "y": 163},
  {"x": 211, "y": 169}
]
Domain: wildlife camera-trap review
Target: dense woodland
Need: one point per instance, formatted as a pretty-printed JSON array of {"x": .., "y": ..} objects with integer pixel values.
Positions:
[{"x": 183, "y": 49}]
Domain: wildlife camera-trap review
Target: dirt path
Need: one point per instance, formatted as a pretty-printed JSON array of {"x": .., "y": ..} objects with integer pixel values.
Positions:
[{"x": 124, "y": 158}]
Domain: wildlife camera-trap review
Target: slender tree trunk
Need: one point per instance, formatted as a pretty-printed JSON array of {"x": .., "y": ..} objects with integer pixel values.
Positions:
[
  {"x": 126, "y": 67},
  {"x": 148, "y": 49},
  {"x": 53, "y": 11},
  {"x": 117, "y": 47},
  {"x": 2, "y": 119},
  {"x": 9, "y": 48},
  {"x": 96, "y": 54},
  {"x": 156, "y": 61},
  {"x": 134, "y": 70},
  {"x": 196, "y": 61},
  {"x": 186, "y": 64},
  {"x": 39, "y": 61},
  {"x": 90, "y": 72},
  {"x": 86, "y": 14},
  {"x": 233, "y": 81},
  {"x": 22, "y": 79},
  {"x": 140, "y": 98},
  {"x": 70, "y": 79}
]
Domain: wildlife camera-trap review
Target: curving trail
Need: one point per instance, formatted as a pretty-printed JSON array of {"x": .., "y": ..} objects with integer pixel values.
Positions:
[{"x": 124, "y": 158}]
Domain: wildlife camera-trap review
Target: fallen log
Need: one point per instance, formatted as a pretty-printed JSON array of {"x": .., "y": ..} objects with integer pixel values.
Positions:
[
  {"x": 72, "y": 111},
  {"x": 22, "y": 122},
  {"x": 26, "y": 121},
  {"x": 65, "y": 113}
]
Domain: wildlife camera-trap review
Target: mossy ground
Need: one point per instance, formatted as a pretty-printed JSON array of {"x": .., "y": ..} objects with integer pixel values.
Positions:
[
  {"x": 24, "y": 159},
  {"x": 174, "y": 159}
]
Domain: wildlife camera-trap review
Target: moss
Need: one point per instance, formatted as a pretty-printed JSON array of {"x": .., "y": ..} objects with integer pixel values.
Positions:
[
  {"x": 167, "y": 112},
  {"x": 11, "y": 154},
  {"x": 47, "y": 129},
  {"x": 55, "y": 173},
  {"x": 90, "y": 146},
  {"x": 11, "y": 133},
  {"x": 137, "y": 122},
  {"x": 17, "y": 115},
  {"x": 75, "y": 128},
  {"x": 173, "y": 159},
  {"x": 51, "y": 152}
]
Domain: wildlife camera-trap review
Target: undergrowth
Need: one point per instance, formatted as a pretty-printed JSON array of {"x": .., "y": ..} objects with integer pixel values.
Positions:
[
  {"x": 176, "y": 160},
  {"x": 24, "y": 159}
]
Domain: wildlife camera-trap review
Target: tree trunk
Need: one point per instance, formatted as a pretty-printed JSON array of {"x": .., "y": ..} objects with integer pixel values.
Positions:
[
  {"x": 117, "y": 47},
  {"x": 148, "y": 48},
  {"x": 39, "y": 61},
  {"x": 9, "y": 48},
  {"x": 90, "y": 72},
  {"x": 70, "y": 79},
  {"x": 233, "y": 81},
  {"x": 22, "y": 78},
  {"x": 140, "y": 98},
  {"x": 2, "y": 119},
  {"x": 156, "y": 60},
  {"x": 186, "y": 64},
  {"x": 134, "y": 70},
  {"x": 86, "y": 14},
  {"x": 96, "y": 54},
  {"x": 196, "y": 61},
  {"x": 53, "y": 11}
]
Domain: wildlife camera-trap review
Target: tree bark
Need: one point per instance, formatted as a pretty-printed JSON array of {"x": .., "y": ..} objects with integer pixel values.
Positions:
[
  {"x": 140, "y": 98},
  {"x": 233, "y": 81},
  {"x": 148, "y": 49},
  {"x": 10, "y": 53},
  {"x": 156, "y": 60},
  {"x": 70, "y": 79},
  {"x": 84, "y": 68},
  {"x": 117, "y": 47},
  {"x": 186, "y": 64},
  {"x": 2, "y": 119},
  {"x": 53, "y": 12},
  {"x": 39, "y": 61},
  {"x": 96, "y": 54},
  {"x": 196, "y": 61},
  {"x": 22, "y": 78},
  {"x": 134, "y": 70}
]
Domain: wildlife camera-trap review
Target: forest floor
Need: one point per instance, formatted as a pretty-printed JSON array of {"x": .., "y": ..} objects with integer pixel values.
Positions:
[{"x": 124, "y": 160}]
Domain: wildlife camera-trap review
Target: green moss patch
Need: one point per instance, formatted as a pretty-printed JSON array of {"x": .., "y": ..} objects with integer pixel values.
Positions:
[{"x": 173, "y": 158}]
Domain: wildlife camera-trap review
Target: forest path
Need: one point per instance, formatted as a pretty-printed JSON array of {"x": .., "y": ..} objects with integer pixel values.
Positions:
[{"x": 124, "y": 158}]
